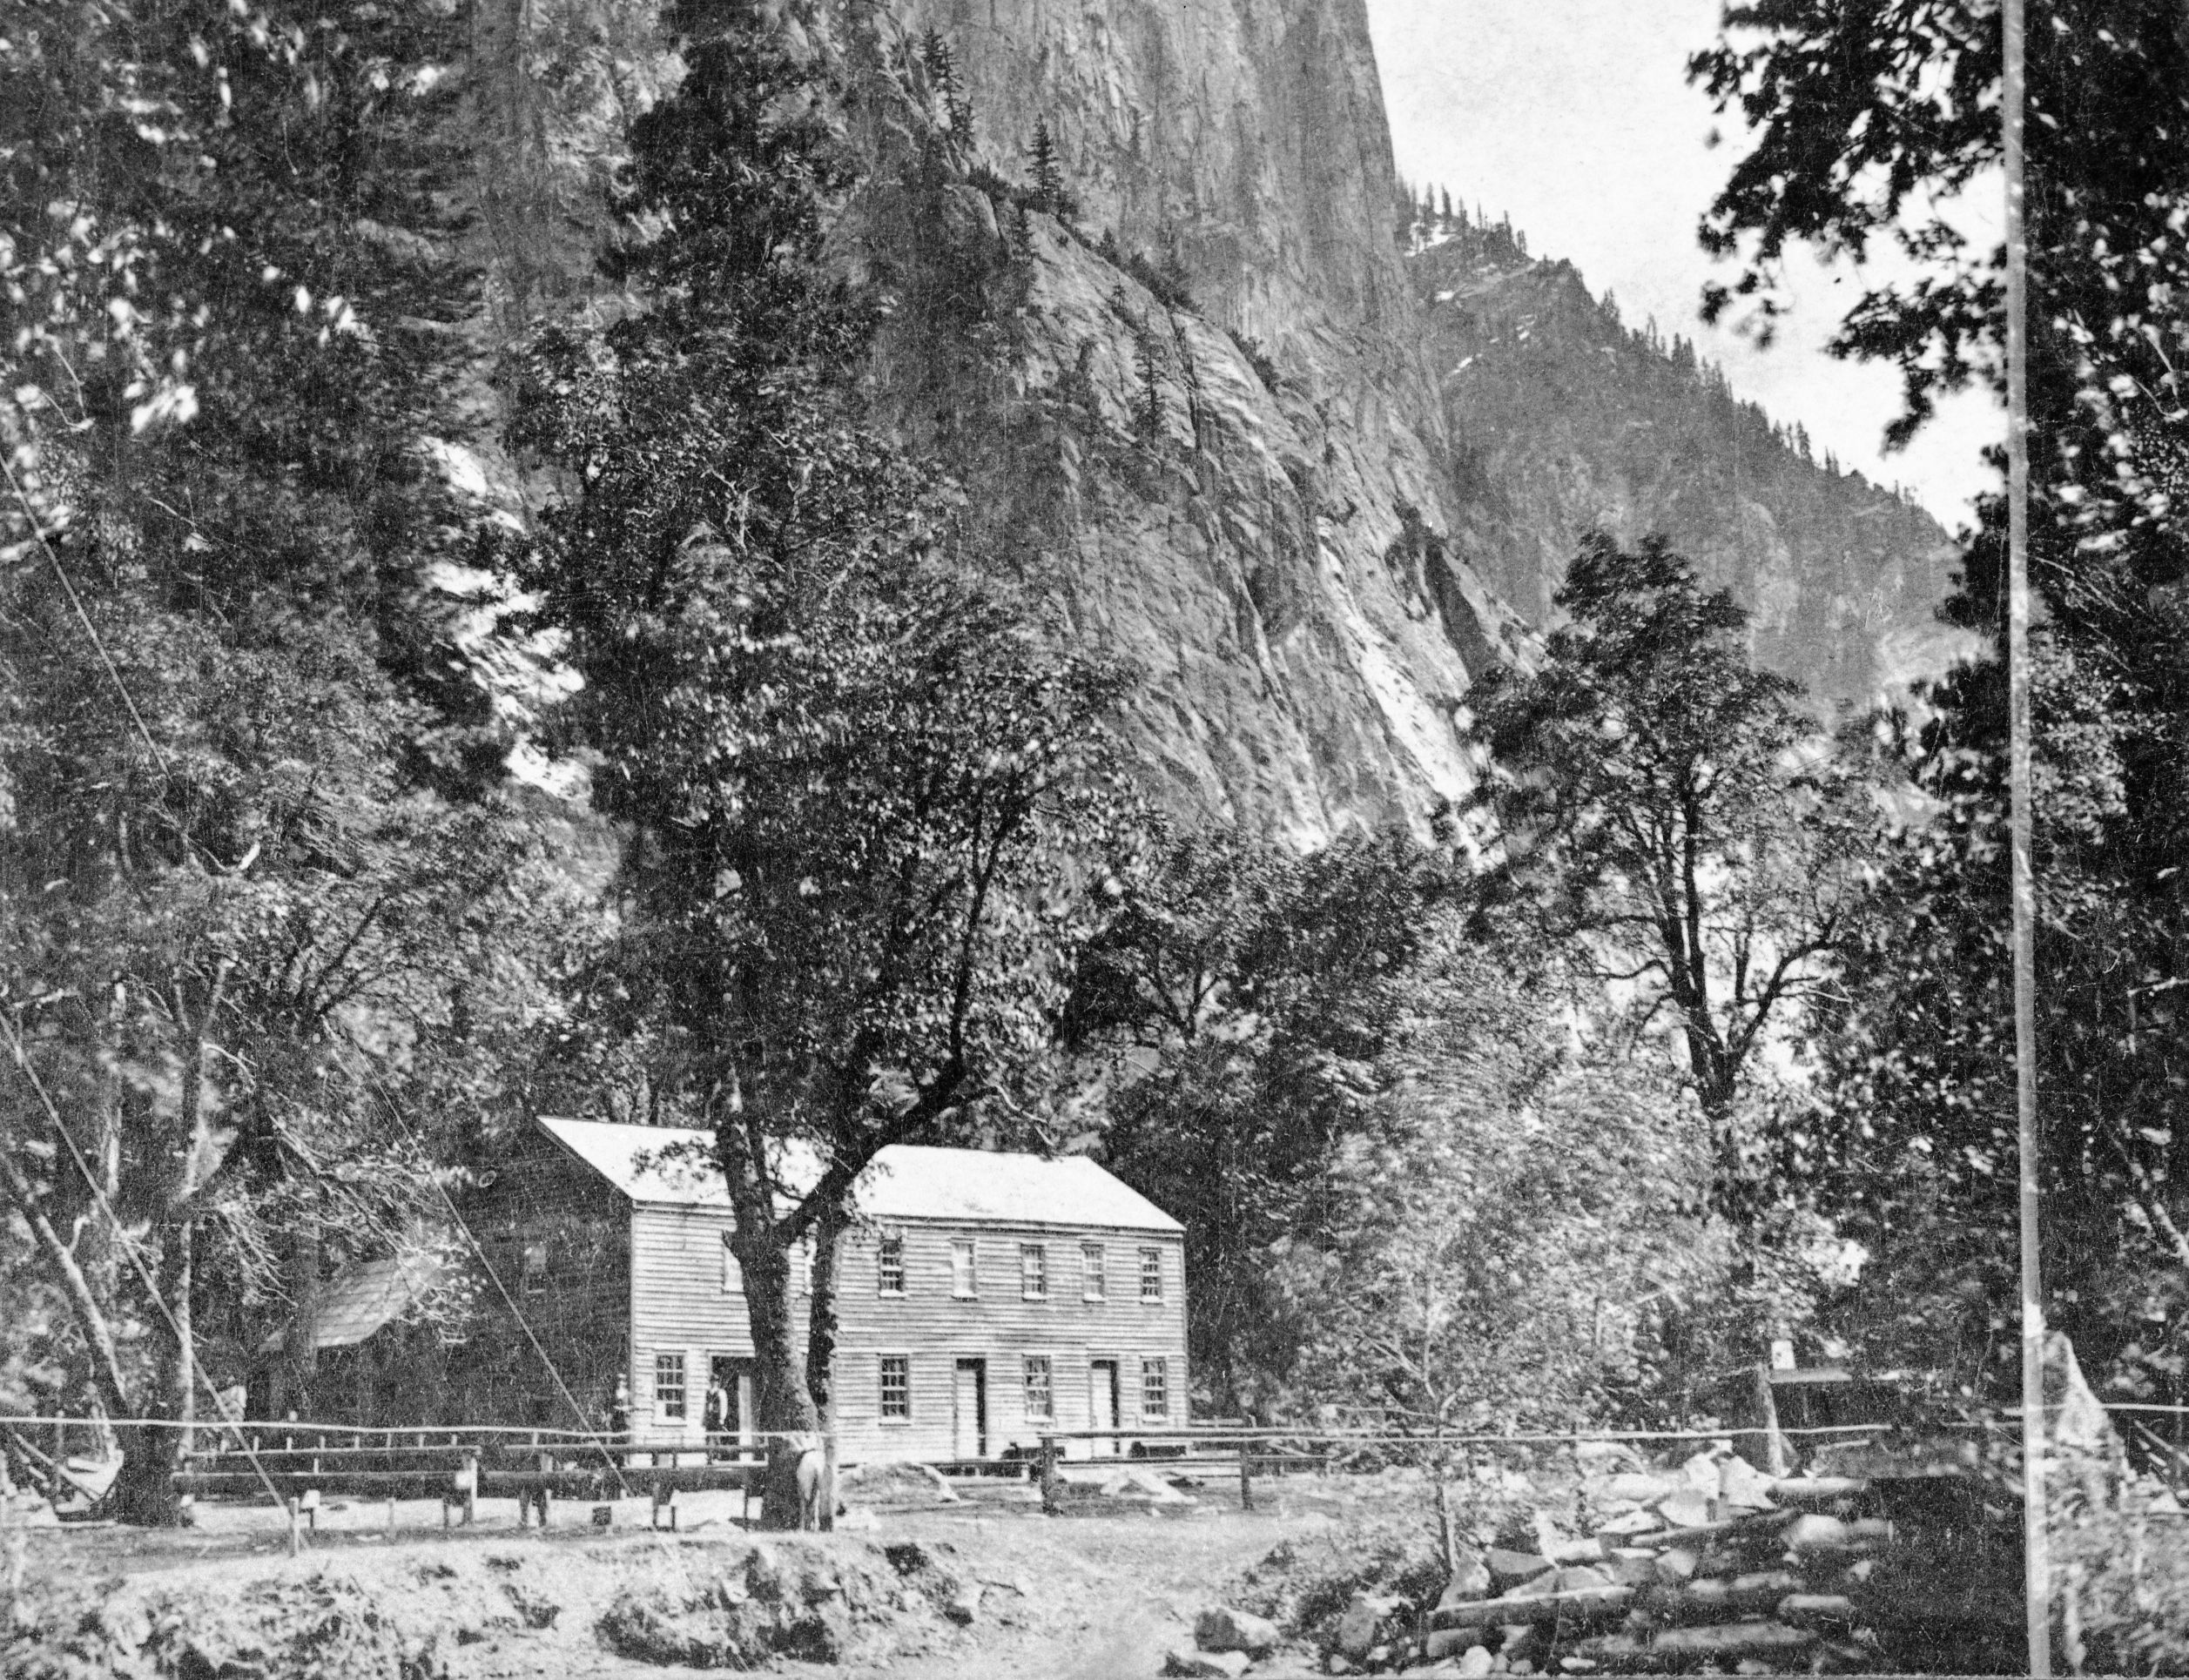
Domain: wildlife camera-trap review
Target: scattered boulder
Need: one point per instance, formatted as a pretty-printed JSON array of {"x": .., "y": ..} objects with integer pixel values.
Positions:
[
  {"x": 1677, "y": 1563},
  {"x": 1812, "y": 1532},
  {"x": 1227, "y": 1630},
  {"x": 1633, "y": 1568},
  {"x": 1742, "y": 1487},
  {"x": 1215, "y": 1664},
  {"x": 1630, "y": 1488},
  {"x": 25, "y": 1509},
  {"x": 1508, "y": 1568},
  {"x": 1476, "y": 1661},
  {"x": 1361, "y": 1629},
  {"x": 1636, "y": 1522},
  {"x": 1144, "y": 1487},
  {"x": 1700, "y": 1473},
  {"x": 1686, "y": 1509},
  {"x": 883, "y": 1485}
]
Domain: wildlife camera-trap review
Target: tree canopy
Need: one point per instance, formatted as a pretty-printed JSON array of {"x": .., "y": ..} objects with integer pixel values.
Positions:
[{"x": 1661, "y": 802}]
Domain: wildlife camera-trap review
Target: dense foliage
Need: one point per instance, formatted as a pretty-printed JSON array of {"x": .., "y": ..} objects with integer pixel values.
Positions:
[
  {"x": 1662, "y": 805},
  {"x": 242, "y": 924},
  {"x": 1860, "y": 122}
]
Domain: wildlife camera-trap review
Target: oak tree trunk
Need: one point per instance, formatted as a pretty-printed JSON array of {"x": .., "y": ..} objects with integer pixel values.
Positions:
[
  {"x": 788, "y": 1418},
  {"x": 144, "y": 1492},
  {"x": 821, "y": 1341}
]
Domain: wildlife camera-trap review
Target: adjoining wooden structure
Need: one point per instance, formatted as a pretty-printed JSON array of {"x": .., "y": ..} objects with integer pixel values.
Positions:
[{"x": 984, "y": 1301}]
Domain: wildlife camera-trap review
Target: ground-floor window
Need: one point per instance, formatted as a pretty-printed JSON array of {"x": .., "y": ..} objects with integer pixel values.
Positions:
[
  {"x": 669, "y": 1385},
  {"x": 897, "y": 1385},
  {"x": 1041, "y": 1388},
  {"x": 1155, "y": 1387}
]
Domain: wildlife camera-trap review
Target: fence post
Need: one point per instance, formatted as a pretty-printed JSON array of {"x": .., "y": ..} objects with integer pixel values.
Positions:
[
  {"x": 1052, "y": 1500},
  {"x": 1246, "y": 1475}
]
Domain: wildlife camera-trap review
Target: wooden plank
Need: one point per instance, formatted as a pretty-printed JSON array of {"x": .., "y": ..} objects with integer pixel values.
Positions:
[{"x": 564, "y": 1483}]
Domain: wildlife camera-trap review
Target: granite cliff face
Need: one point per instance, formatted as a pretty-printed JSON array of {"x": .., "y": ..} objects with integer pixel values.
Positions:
[
  {"x": 1211, "y": 413},
  {"x": 1223, "y": 490},
  {"x": 1241, "y": 550}
]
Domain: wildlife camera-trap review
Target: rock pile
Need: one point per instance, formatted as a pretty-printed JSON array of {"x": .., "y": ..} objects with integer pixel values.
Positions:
[
  {"x": 1225, "y": 1643},
  {"x": 1709, "y": 1566}
]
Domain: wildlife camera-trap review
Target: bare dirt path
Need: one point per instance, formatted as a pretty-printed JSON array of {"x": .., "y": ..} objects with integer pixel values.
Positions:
[{"x": 1078, "y": 1597}]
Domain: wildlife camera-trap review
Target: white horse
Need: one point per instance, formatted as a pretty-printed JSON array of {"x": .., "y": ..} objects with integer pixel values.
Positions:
[{"x": 812, "y": 1474}]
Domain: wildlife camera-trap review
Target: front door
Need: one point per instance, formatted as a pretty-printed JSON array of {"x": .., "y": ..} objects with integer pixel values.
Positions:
[
  {"x": 1102, "y": 1382},
  {"x": 734, "y": 1377},
  {"x": 969, "y": 1409}
]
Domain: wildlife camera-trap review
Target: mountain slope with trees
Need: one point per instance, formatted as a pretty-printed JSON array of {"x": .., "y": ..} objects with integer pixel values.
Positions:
[{"x": 1563, "y": 419}]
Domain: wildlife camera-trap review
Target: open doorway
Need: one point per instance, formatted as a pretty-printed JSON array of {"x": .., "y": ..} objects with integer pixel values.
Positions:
[
  {"x": 1102, "y": 1405},
  {"x": 729, "y": 1407},
  {"x": 969, "y": 1409}
]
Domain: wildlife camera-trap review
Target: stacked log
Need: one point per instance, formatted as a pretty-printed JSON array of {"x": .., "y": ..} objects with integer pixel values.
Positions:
[{"x": 1711, "y": 1566}]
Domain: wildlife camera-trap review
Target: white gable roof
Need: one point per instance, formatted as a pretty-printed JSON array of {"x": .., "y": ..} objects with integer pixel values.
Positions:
[{"x": 675, "y": 1166}]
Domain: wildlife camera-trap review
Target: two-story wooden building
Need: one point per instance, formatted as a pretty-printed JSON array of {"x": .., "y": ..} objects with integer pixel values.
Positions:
[{"x": 982, "y": 1297}]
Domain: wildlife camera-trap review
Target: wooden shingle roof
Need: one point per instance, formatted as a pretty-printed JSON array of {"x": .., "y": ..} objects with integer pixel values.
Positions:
[{"x": 675, "y": 1166}]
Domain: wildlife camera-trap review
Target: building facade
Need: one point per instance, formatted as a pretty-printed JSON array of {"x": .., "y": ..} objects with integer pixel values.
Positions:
[{"x": 982, "y": 1299}]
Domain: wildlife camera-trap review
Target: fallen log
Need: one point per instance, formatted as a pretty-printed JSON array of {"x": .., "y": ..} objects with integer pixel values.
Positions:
[
  {"x": 1733, "y": 1641},
  {"x": 1582, "y": 1605},
  {"x": 1807, "y": 1609},
  {"x": 1743, "y": 1595},
  {"x": 1681, "y": 1650}
]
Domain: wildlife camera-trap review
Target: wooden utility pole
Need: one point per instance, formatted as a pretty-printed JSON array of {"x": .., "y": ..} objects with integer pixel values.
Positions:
[{"x": 2037, "y": 1565}]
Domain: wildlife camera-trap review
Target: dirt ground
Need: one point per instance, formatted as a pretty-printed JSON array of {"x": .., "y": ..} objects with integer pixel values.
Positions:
[{"x": 1083, "y": 1596}]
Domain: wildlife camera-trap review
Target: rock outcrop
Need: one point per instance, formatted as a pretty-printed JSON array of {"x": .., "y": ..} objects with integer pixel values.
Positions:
[
  {"x": 1253, "y": 549},
  {"x": 1562, "y": 420},
  {"x": 1207, "y": 415}
]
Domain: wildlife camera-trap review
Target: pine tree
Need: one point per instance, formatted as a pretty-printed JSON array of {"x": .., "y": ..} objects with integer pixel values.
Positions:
[
  {"x": 1148, "y": 411},
  {"x": 1048, "y": 169},
  {"x": 1445, "y": 215},
  {"x": 941, "y": 65}
]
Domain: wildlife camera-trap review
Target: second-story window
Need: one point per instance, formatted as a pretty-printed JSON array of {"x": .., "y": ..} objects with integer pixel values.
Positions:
[
  {"x": 1094, "y": 1278},
  {"x": 732, "y": 1273},
  {"x": 892, "y": 1266},
  {"x": 1034, "y": 1271},
  {"x": 1151, "y": 1274},
  {"x": 964, "y": 1283}
]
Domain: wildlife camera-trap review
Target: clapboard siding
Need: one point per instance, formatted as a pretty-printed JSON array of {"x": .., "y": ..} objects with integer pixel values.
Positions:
[
  {"x": 935, "y": 1330},
  {"x": 626, "y": 1283},
  {"x": 559, "y": 1240},
  {"x": 678, "y": 1306}
]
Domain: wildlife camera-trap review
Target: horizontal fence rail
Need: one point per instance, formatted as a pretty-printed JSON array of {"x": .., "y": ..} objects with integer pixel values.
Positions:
[{"x": 294, "y": 1460}]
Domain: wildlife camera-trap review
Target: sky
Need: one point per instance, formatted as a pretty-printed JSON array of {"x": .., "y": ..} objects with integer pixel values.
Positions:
[{"x": 1575, "y": 117}]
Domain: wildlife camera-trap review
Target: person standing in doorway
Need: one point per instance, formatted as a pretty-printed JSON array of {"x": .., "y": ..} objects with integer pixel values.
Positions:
[{"x": 717, "y": 1417}]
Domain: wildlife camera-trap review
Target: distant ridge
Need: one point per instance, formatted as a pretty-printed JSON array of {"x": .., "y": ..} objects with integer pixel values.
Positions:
[{"x": 1561, "y": 418}]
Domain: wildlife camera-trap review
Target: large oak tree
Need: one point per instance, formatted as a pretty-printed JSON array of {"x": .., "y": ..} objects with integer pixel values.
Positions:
[{"x": 866, "y": 791}]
